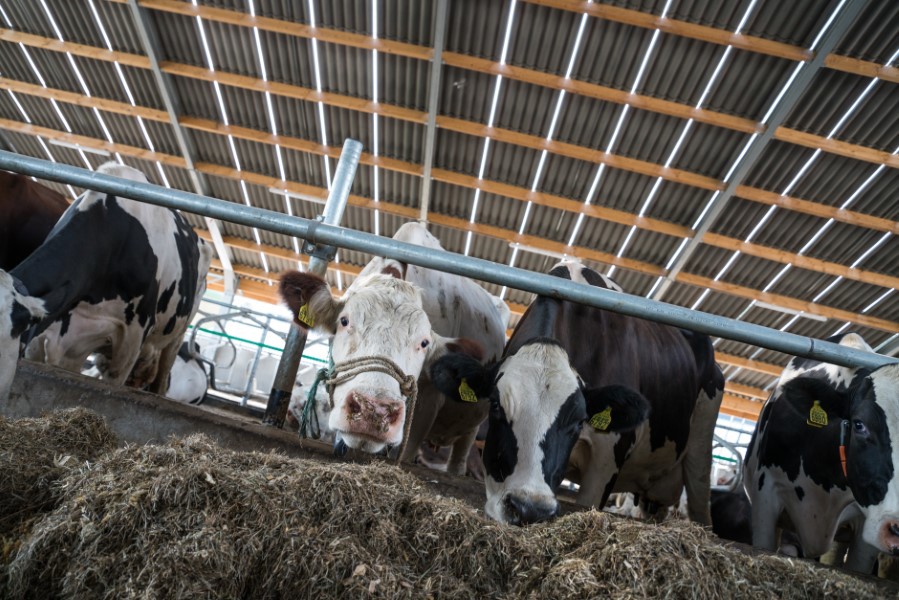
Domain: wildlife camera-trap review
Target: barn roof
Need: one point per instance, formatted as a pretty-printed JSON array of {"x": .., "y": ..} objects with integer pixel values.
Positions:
[{"x": 736, "y": 157}]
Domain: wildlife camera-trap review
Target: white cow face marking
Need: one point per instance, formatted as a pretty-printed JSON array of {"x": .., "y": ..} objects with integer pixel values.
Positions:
[
  {"x": 17, "y": 313},
  {"x": 874, "y": 456},
  {"x": 535, "y": 417},
  {"x": 378, "y": 316}
]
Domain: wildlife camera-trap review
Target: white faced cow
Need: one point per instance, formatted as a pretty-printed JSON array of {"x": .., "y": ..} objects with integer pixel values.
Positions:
[
  {"x": 115, "y": 276},
  {"x": 566, "y": 364},
  {"x": 794, "y": 474},
  {"x": 399, "y": 314}
]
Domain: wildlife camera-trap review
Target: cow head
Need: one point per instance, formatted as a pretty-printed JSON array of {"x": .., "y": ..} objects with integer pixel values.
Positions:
[
  {"x": 379, "y": 316},
  {"x": 538, "y": 406},
  {"x": 870, "y": 413},
  {"x": 18, "y": 312}
]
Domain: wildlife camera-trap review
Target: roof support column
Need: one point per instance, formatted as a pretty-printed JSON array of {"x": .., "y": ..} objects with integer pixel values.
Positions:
[
  {"x": 433, "y": 105},
  {"x": 150, "y": 41},
  {"x": 790, "y": 98}
]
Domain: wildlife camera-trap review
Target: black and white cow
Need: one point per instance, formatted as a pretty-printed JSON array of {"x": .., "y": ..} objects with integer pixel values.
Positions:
[
  {"x": 188, "y": 381},
  {"x": 116, "y": 277},
  {"x": 794, "y": 474},
  {"x": 409, "y": 316},
  {"x": 567, "y": 363}
]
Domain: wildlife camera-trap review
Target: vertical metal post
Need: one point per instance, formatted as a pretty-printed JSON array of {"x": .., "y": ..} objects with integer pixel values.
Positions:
[
  {"x": 249, "y": 388},
  {"x": 320, "y": 256}
]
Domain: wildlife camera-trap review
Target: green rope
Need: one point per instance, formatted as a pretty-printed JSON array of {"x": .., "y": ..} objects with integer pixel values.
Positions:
[{"x": 309, "y": 424}]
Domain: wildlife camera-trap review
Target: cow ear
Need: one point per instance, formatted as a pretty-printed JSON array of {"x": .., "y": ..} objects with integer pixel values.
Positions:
[
  {"x": 615, "y": 408},
  {"x": 804, "y": 392},
  {"x": 461, "y": 377},
  {"x": 309, "y": 299}
]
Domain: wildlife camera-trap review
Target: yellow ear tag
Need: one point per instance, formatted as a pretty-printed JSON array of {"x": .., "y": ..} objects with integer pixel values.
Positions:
[
  {"x": 601, "y": 421},
  {"x": 817, "y": 416},
  {"x": 304, "y": 317},
  {"x": 466, "y": 393}
]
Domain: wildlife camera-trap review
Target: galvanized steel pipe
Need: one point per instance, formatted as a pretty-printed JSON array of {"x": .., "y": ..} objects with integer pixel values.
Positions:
[{"x": 475, "y": 268}]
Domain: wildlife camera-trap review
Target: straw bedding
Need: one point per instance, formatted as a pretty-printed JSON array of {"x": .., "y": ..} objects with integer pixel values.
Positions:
[{"x": 190, "y": 519}]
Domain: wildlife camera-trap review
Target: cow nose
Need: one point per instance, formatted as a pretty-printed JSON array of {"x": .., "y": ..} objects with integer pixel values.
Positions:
[
  {"x": 340, "y": 447},
  {"x": 373, "y": 412},
  {"x": 525, "y": 512}
]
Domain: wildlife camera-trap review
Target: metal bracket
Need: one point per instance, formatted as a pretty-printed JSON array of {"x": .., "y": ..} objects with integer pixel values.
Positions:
[{"x": 319, "y": 251}]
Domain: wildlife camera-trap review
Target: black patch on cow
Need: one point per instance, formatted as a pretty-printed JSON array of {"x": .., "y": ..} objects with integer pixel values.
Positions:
[
  {"x": 870, "y": 466},
  {"x": 800, "y": 493},
  {"x": 761, "y": 481},
  {"x": 561, "y": 437},
  {"x": 731, "y": 516},
  {"x": 64, "y": 323},
  {"x": 170, "y": 325},
  {"x": 594, "y": 278},
  {"x": 20, "y": 318},
  {"x": 560, "y": 271},
  {"x": 129, "y": 313},
  {"x": 500, "y": 446},
  {"x": 788, "y": 442},
  {"x": 164, "y": 298}
]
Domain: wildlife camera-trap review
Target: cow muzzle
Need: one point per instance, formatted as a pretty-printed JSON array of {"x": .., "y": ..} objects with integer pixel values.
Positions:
[
  {"x": 522, "y": 510},
  {"x": 375, "y": 416}
]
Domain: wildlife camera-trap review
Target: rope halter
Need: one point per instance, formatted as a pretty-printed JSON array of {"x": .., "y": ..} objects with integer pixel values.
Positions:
[{"x": 338, "y": 373}]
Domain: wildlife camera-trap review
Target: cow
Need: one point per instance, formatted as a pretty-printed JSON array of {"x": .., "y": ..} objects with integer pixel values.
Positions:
[
  {"x": 823, "y": 456},
  {"x": 649, "y": 393},
  {"x": 732, "y": 520},
  {"x": 404, "y": 317},
  {"x": 28, "y": 211},
  {"x": 114, "y": 276},
  {"x": 188, "y": 381}
]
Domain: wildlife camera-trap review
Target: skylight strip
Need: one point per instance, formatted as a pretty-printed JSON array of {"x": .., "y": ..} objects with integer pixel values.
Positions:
[
  {"x": 677, "y": 144},
  {"x": 337, "y": 273},
  {"x": 233, "y": 148},
  {"x": 618, "y": 126},
  {"x": 739, "y": 159},
  {"x": 863, "y": 186},
  {"x": 826, "y": 290},
  {"x": 816, "y": 236},
  {"x": 204, "y": 43},
  {"x": 508, "y": 34},
  {"x": 221, "y": 102},
  {"x": 474, "y": 205},
  {"x": 577, "y": 44},
  {"x": 727, "y": 265},
  {"x": 524, "y": 220},
  {"x": 99, "y": 22},
  {"x": 771, "y": 210},
  {"x": 650, "y": 196},
  {"x": 706, "y": 209},
  {"x": 786, "y": 268},
  {"x": 711, "y": 83},
  {"x": 468, "y": 243},
  {"x": 851, "y": 110},
  {"x": 555, "y": 119},
  {"x": 886, "y": 343},
  {"x": 874, "y": 247},
  {"x": 823, "y": 30},
  {"x": 783, "y": 91},
  {"x": 483, "y": 166},
  {"x": 590, "y": 194},
  {"x": 627, "y": 241},
  {"x": 162, "y": 176},
  {"x": 538, "y": 174},
  {"x": 375, "y": 133},
  {"x": 699, "y": 300},
  {"x": 318, "y": 87},
  {"x": 801, "y": 172},
  {"x": 645, "y": 61},
  {"x": 745, "y": 18},
  {"x": 880, "y": 299},
  {"x": 18, "y": 104},
  {"x": 259, "y": 53},
  {"x": 495, "y": 101}
]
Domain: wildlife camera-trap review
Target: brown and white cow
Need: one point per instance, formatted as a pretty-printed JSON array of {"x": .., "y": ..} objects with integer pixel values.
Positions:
[
  {"x": 28, "y": 211},
  {"x": 568, "y": 363},
  {"x": 115, "y": 276},
  {"x": 409, "y": 316}
]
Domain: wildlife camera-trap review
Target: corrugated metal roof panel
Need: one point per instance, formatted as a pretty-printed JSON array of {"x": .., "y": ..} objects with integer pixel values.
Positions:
[
  {"x": 588, "y": 122},
  {"x": 612, "y": 53},
  {"x": 710, "y": 150},
  {"x": 544, "y": 38},
  {"x": 527, "y": 108},
  {"x": 452, "y": 200},
  {"x": 500, "y": 212},
  {"x": 602, "y": 235},
  {"x": 458, "y": 152},
  {"x": 550, "y": 223},
  {"x": 511, "y": 164},
  {"x": 623, "y": 190},
  {"x": 467, "y": 94},
  {"x": 408, "y": 21},
  {"x": 399, "y": 188},
  {"x": 725, "y": 14},
  {"x": 833, "y": 180},
  {"x": 777, "y": 166},
  {"x": 345, "y": 70},
  {"x": 476, "y": 28},
  {"x": 678, "y": 203},
  {"x": 651, "y": 247},
  {"x": 873, "y": 36},
  {"x": 179, "y": 38},
  {"x": 681, "y": 69},
  {"x": 403, "y": 81},
  {"x": 795, "y": 23},
  {"x": 748, "y": 84},
  {"x": 344, "y": 14},
  {"x": 119, "y": 26},
  {"x": 568, "y": 177},
  {"x": 197, "y": 98}
]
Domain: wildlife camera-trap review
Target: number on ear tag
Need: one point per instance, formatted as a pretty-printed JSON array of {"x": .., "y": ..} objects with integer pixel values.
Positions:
[
  {"x": 304, "y": 317},
  {"x": 817, "y": 416},
  {"x": 601, "y": 420},
  {"x": 466, "y": 393}
]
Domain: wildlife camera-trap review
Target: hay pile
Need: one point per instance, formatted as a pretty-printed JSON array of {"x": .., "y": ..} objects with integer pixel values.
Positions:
[
  {"x": 34, "y": 453},
  {"x": 193, "y": 520}
]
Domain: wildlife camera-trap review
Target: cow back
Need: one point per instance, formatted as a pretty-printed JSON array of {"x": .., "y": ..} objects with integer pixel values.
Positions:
[{"x": 28, "y": 211}]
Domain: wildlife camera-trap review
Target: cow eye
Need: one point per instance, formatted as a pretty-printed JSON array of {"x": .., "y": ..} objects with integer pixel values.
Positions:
[
  {"x": 860, "y": 427},
  {"x": 424, "y": 343},
  {"x": 344, "y": 321}
]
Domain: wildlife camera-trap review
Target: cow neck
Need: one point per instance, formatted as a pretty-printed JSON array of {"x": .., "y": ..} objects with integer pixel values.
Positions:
[{"x": 539, "y": 321}]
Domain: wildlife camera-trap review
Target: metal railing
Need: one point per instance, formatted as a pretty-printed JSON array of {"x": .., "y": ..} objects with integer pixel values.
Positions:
[{"x": 319, "y": 233}]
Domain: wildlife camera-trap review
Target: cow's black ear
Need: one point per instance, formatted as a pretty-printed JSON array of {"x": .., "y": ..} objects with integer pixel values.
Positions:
[
  {"x": 803, "y": 392},
  {"x": 615, "y": 408},
  {"x": 461, "y": 377}
]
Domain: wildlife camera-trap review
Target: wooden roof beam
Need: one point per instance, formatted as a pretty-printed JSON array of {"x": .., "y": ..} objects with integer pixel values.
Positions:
[{"x": 721, "y": 37}]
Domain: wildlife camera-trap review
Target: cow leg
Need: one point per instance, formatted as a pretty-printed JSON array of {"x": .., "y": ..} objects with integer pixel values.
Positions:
[
  {"x": 766, "y": 510},
  {"x": 160, "y": 383},
  {"x": 125, "y": 352},
  {"x": 697, "y": 462},
  {"x": 458, "y": 459}
]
